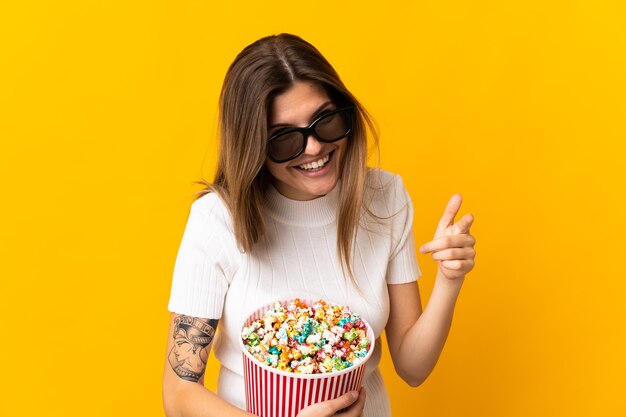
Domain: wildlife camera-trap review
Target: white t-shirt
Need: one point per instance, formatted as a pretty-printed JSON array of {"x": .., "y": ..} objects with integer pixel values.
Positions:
[{"x": 296, "y": 257}]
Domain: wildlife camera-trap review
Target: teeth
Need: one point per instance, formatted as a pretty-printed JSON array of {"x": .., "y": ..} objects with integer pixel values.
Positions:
[{"x": 315, "y": 164}]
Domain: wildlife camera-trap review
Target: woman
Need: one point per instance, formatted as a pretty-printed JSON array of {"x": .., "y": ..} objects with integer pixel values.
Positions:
[{"x": 295, "y": 212}]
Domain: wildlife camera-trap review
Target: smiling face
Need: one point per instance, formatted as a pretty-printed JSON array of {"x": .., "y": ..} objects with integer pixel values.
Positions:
[{"x": 316, "y": 171}]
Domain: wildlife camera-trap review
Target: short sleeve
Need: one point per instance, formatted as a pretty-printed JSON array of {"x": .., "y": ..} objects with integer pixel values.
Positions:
[
  {"x": 402, "y": 267},
  {"x": 205, "y": 260}
]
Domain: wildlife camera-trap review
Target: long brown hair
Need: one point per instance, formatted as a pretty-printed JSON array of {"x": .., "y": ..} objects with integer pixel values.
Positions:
[{"x": 262, "y": 71}]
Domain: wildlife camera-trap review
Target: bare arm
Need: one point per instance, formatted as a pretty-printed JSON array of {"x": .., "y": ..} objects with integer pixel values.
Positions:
[
  {"x": 416, "y": 338},
  {"x": 188, "y": 345}
]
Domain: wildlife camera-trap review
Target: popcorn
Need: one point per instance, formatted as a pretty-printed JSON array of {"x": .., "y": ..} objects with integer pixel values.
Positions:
[{"x": 320, "y": 338}]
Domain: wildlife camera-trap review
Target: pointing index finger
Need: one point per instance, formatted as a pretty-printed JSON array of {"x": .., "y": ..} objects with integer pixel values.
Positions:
[{"x": 451, "y": 210}]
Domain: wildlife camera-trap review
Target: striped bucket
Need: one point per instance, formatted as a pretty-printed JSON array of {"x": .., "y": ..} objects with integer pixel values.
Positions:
[{"x": 274, "y": 393}]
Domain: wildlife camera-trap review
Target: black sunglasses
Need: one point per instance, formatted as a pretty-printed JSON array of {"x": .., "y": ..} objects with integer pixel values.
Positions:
[{"x": 332, "y": 126}]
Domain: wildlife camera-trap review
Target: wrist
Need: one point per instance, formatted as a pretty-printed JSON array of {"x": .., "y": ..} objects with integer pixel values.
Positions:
[{"x": 451, "y": 283}]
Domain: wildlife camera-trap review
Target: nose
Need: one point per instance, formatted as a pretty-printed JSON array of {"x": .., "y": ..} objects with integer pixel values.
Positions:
[{"x": 313, "y": 146}]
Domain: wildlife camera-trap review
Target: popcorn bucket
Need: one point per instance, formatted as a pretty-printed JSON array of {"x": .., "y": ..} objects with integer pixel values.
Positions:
[{"x": 271, "y": 392}]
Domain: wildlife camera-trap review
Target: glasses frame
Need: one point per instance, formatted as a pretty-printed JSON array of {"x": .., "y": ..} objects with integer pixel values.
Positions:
[{"x": 306, "y": 132}]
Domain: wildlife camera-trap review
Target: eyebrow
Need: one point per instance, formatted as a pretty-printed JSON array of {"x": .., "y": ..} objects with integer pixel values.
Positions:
[{"x": 315, "y": 115}]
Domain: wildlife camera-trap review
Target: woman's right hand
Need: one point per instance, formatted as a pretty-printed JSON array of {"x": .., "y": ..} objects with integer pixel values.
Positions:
[{"x": 351, "y": 404}]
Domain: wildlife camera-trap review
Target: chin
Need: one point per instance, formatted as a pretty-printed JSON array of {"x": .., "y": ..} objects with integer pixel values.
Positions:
[
  {"x": 306, "y": 191},
  {"x": 325, "y": 190}
]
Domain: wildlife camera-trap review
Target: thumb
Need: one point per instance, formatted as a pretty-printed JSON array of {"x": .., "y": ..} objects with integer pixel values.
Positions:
[
  {"x": 343, "y": 401},
  {"x": 329, "y": 408},
  {"x": 463, "y": 225}
]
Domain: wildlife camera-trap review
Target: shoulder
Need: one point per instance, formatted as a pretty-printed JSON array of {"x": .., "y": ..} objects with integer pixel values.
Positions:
[
  {"x": 386, "y": 181},
  {"x": 209, "y": 222},
  {"x": 385, "y": 193},
  {"x": 210, "y": 210}
]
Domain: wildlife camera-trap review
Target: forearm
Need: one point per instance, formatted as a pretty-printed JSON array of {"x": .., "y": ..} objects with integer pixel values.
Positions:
[
  {"x": 423, "y": 342},
  {"x": 189, "y": 399}
]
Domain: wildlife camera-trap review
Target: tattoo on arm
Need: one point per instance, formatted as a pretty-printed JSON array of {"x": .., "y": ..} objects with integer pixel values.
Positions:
[{"x": 192, "y": 341}]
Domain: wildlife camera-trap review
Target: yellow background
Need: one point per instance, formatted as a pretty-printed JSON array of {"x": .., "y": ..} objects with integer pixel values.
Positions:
[{"x": 108, "y": 116}]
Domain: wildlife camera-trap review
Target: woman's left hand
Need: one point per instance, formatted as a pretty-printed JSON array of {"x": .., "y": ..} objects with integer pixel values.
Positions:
[{"x": 453, "y": 245}]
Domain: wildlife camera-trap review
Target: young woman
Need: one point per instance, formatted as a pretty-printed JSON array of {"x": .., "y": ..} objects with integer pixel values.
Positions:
[{"x": 294, "y": 211}]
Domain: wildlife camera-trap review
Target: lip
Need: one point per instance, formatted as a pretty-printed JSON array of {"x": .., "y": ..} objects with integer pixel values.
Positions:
[
  {"x": 313, "y": 159},
  {"x": 320, "y": 173}
]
